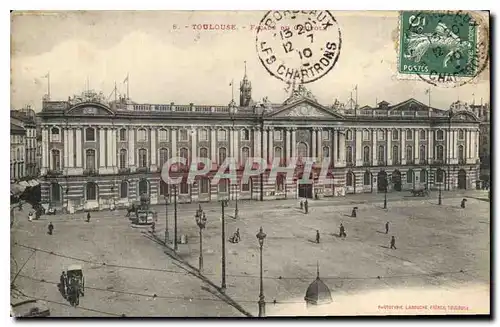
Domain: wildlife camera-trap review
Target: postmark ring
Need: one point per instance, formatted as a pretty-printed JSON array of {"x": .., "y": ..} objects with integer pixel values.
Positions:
[{"x": 298, "y": 46}]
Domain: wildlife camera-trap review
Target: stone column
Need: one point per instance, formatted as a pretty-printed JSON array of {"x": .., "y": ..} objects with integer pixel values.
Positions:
[
  {"x": 374, "y": 147},
  {"x": 102, "y": 147},
  {"x": 294, "y": 142},
  {"x": 467, "y": 145},
  {"x": 109, "y": 148},
  {"x": 342, "y": 157},
  {"x": 71, "y": 148},
  {"x": 271, "y": 143},
  {"x": 174, "y": 142},
  {"x": 66, "y": 148},
  {"x": 236, "y": 145},
  {"x": 45, "y": 150},
  {"x": 319, "y": 147},
  {"x": 389, "y": 148},
  {"x": 455, "y": 145},
  {"x": 416, "y": 147},
  {"x": 213, "y": 142},
  {"x": 153, "y": 146},
  {"x": 402, "y": 132},
  {"x": 131, "y": 146},
  {"x": 194, "y": 150},
  {"x": 79, "y": 146},
  {"x": 115, "y": 151},
  {"x": 313, "y": 143},
  {"x": 287, "y": 145},
  {"x": 335, "y": 147},
  {"x": 359, "y": 154},
  {"x": 265, "y": 133},
  {"x": 430, "y": 147}
]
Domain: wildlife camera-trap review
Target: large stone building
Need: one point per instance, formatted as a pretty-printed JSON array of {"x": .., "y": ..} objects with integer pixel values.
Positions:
[
  {"x": 26, "y": 117},
  {"x": 17, "y": 151},
  {"x": 96, "y": 153}
]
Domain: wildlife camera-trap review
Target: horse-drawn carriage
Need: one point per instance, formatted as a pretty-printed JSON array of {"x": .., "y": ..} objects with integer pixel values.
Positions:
[
  {"x": 142, "y": 214},
  {"x": 420, "y": 191},
  {"x": 73, "y": 284}
]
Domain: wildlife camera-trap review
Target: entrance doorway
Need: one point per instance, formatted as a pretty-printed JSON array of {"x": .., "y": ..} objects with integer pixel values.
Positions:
[
  {"x": 462, "y": 179},
  {"x": 396, "y": 180},
  {"x": 305, "y": 191},
  {"x": 381, "y": 181}
]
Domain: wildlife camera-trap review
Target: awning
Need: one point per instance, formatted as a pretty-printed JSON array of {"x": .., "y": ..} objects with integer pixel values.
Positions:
[
  {"x": 24, "y": 184},
  {"x": 16, "y": 189}
]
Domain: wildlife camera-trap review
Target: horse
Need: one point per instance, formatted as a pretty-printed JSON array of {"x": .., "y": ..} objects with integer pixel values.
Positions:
[{"x": 73, "y": 292}]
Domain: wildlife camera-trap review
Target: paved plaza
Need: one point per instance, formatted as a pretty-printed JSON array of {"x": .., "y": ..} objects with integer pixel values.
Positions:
[{"x": 441, "y": 250}]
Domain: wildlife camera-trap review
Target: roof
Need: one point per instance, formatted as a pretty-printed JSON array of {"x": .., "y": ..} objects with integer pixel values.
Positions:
[
  {"x": 16, "y": 129},
  {"x": 318, "y": 292},
  {"x": 74, "y": 267}
]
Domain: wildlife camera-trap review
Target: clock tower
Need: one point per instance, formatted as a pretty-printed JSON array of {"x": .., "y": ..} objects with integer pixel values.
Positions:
[{"x": 245, "y": 90}]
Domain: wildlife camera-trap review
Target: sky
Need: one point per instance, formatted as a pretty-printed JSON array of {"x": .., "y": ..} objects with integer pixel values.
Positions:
[{"x": 185, "y": 65}]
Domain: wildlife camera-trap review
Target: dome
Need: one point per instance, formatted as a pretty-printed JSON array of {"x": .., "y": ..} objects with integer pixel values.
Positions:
[{"x": 318, "y": 293}]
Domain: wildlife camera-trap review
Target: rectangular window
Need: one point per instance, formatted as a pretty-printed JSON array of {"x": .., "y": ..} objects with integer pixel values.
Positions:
[
  {"x": 422, "y": 135},
  {"x": 409, "y": 135},
  {"x": 381, "y": 135},
  {"x": 221, "y": 135},
  {"x": 366, "y": 135},
  {"x": 183, "y": 135},
  {"x": 123, "y": 135},
  {"x": 203, "y": 135},
  {"x": 184, "y": 188},
  {"x": 245, "y": 187},
  {"x": 204, "y": 185},
  {"x": 326, "y": 135},
  {"x": 163, "y": 135},
  {"x": 141, "y": 135}
]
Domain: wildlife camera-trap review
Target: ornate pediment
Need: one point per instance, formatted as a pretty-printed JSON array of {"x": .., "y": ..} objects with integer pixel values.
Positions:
[
  {"x": 90, "y": 110},
  {"x": 410, "y": 105},
  {"x": 464, "y": 117},
  {"x": 305, "y": 109}
]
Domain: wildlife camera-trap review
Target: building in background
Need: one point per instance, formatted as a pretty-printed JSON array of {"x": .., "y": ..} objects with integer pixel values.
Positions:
[
  {"x": 482, "y": 111},
  {"x": 96, "y": 153},
  {"x": 24, "y": 171}
]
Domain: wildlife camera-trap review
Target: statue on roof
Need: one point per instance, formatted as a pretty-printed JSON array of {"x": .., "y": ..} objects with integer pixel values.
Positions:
[{"x": 299, "y": 93}]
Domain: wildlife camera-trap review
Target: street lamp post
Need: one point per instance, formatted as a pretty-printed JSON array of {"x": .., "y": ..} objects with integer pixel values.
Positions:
[
  {"x": 175, "y": 217},
  {"x": 439, "y": 194},
  {"x": 223, "y": 283},
  {"x": 201, "y": 221},
  {"x": 236, "y": 205},
  {"x": 166, "y": 219},
  {"x": 385, "y": 196},
  {"x": 262, "y": 303}
]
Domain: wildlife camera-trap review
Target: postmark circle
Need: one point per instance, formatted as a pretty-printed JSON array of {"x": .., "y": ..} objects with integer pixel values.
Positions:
[
  {"x": 460, "y": 44},
  {"x": 298, "y": 46}
]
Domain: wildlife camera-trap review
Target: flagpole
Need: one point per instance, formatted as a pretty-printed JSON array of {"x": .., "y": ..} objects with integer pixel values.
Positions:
[
  {"x": 48, "y": 85},
  {"x": 232, "y": 88},
  {"x": 115, "y": 92},
  {"x": 356, "y": 105},
  {"x": 128, "y": 89}
]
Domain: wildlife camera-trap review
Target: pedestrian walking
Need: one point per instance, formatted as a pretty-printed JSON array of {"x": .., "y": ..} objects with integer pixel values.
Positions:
[
  {"x": 354, "y": 212},
  {"x": 317, "y": 236},
  {"x": 342, "y": 231},
  {"x": 462, "y": 204},
  {"x": 306, "y": 206},
  {"x": 51, "y": 228},
  {"x": 153, "y": 226},
  {"x": 393, "y": 243},
  {"x": 301, "y": 205},
  {"x": 387, "y": 227},
  {"x": 237, "y": 234},
  {"x": 88, "y": 217}
]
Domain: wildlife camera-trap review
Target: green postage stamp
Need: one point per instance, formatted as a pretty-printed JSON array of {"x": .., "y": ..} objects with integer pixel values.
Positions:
[{"x": 440, "y": 44}]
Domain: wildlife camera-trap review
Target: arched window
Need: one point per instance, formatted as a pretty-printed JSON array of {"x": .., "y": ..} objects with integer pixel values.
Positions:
[
  {"x": 439, "y": 152},
  {"x": 91, "y": 191},
  {"x": 277, "y": 152},
  {"x": 203, "y": 153},
  {"x": 123, "y": 190},
  {"x": 302, "y": 151},
  {"x": 381, "y": 135},
  {"x": 184, "y": 153},
  {"x": 222, "y": 155},
  {"x": 55, "y": 135},
  {"x": 423, "y": 153},
  {"x": 143, "y": 187},
  {"x": 366, "y": 154},
  {"x": 461, "y": 134},
  {"x": 440, "y": 135},
  {"x": 349, "y": 179},
  {"x": 90, "y": 159},
  {"x": 348, "y": 135},
  {"x": 326, "y": 152},
  {"x": 245, "y": 134},
  {"x": 367, "y": 178},
  {"x": 423, "y": 176},
  {"x": 440, "y": 176},
  {"x": 123, "y": 135},
  {"x": 409, "y": 176},
  {"x": 56, "y": 159},
  {"x": 280, "y": 183},
  {"x": 409, "y": 153},
  {"x": 204, "y": 185},
  {"x": 143, "y": 158},
  {"x": 183, "y": 134},
  {"x": 223, "y": 185},
  {"x": 395, "y": 154},
  {"x": 163, "y": 156},
  {"x": 55, "y": 192},
  {"x": 461, "y": 152},
  {"x": 422, "y": 135},
  {"x": 245, "y": 153},
  {"x": 90, "y": 134},
  {"x": 348, "y": 156},
  {"x": 277, "y": 135},
  {"x": 123, "y": 158},
  {"x": 366, "y": 135},
  {"x": 381, "y": 154}
]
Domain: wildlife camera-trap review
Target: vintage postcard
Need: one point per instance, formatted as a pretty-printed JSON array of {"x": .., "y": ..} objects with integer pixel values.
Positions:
[{"x": 250, "y": 163}]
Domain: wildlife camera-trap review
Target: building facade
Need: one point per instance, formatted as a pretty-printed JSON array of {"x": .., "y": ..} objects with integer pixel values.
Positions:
[
  {"x": 96, "y": 153},
  {"x": 17, "y": 151},
  {"x": 26, "y": 117}
]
